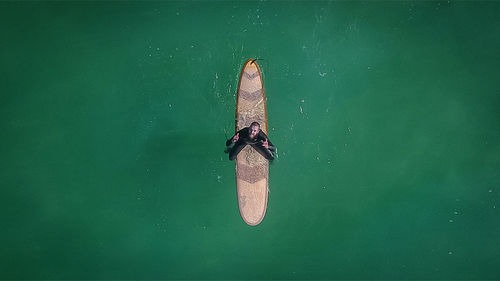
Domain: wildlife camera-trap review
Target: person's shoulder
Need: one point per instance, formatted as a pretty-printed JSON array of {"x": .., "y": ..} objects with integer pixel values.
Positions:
[
  {"x": 243, "y": 131},
  {"x": 261, "y": 133}
]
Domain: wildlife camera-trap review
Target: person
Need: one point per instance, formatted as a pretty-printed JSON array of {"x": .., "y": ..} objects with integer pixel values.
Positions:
[{"x": 253, "y": 136}]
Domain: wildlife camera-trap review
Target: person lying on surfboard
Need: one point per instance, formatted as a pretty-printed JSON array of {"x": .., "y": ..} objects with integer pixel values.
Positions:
[{"x": 253, "y": 136}]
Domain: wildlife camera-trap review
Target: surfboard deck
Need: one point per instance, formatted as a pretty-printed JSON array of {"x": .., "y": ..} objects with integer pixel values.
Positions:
[{"x": 252, "y": 169}]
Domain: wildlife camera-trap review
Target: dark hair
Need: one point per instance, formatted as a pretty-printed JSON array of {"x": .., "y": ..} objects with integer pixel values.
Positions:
[{"x": 254, "y": 124}]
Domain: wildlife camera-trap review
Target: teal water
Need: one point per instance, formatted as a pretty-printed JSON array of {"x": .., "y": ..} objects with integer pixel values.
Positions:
[{"x": 385, "y": 115}]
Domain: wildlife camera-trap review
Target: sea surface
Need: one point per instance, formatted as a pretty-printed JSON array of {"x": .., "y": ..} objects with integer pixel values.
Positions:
[{"x": 114, "y": 116}]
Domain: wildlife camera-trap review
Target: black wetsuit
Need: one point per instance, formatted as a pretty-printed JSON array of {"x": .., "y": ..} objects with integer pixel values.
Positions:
[{"x": 244, "y": 139}]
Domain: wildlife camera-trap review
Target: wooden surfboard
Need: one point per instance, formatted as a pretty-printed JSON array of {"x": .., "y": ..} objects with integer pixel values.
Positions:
[{"x": 252, "y": 169}]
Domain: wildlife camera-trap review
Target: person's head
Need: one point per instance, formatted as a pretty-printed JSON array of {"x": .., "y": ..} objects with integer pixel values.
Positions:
[{"x": 254, "y": 129}]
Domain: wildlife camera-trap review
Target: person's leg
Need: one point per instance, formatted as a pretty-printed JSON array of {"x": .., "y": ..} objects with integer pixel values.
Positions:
[
  {"x": 263, "y": 151},
  {"x": 235, "y": 150}
]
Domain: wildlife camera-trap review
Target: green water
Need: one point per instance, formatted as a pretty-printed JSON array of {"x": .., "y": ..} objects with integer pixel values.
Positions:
[{"x": 385, "y": 115}]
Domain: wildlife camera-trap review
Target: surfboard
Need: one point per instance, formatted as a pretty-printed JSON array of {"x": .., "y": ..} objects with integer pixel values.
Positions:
[{"x": 252, "y": 169}]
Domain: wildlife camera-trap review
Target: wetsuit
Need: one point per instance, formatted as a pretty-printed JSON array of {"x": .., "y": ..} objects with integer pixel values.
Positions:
[{"x": 244, "y": 139}]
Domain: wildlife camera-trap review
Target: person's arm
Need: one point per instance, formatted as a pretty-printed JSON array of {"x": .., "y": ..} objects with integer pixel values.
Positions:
[
  {"x": 234, "y": 138},
  {"x": 230, "y": 141},
  {"x": 270, "y": 145}
]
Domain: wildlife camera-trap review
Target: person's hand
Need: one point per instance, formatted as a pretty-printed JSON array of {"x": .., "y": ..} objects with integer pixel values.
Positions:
[
  {"x": 265, "y": 144},
  {"x": 236, "y": 137}
]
